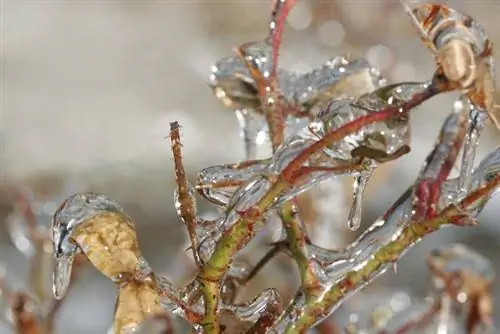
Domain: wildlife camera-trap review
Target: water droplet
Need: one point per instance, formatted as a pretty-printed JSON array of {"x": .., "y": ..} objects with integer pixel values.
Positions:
[
  {"x": 360, "y": 182},
  {"x": 62, "y": 276}
]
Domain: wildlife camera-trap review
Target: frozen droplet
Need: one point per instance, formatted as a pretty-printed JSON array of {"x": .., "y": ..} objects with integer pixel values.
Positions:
[
  {"x": 360, "y": 182},
  {"x": 477, "y": 122},
  {"x": 75, "y": 210},
  {"x": 300, "y": 17},
  {"x": 62, "y": 276},
  {"x": 253, "y": 131},
  {"x": 331, "y": 33}
]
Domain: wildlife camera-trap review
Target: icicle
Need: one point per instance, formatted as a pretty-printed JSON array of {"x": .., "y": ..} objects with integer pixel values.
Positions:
[
  {"x": 253, "y": 131},
  {"x": 360, "y": 182},
  {"x": 477, "y": 122}
]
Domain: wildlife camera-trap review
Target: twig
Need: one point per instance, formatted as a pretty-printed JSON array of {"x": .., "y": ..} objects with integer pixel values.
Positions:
[
  {"x": 387, "y": 254},
  {"x": 241, "y": 233},
  {"x": 186, "y": 204}
]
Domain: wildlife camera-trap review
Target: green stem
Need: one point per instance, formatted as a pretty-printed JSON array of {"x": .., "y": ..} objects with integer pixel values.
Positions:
[
  {"x": 297, "y": 240},
  {"x": 232, "y": 241},
  {"x": 320, "y": 307}
]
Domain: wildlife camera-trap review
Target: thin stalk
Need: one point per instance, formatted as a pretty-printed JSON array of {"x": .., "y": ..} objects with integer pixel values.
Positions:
[{"x": 187, "y": 206}]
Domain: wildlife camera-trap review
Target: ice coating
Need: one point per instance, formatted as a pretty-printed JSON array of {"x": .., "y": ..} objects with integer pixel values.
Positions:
[
  {"x": 477, "y": 122},
  {"x": 73, "y": 212},
  {"x": 255, "y": 308},
  {"x": 377, "y": 142},
  {"x": 439, "y": 162},
  {"x": 463, "y": 49},
  {"x": 303, "y": 94},
  {"x": 385, "y": 137},
  {"x": 336, "y": 264},
  {"x": 98, "y": 227},
  {"x": 444, "y": 26},
  {"x": 218, "y": 183},
  {"x": 339, "y": 77},
  {"x": 393, "y": 220}
]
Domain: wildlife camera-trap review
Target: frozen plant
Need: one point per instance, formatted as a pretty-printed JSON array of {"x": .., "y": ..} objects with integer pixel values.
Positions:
[{"x": 340, "y": 120}]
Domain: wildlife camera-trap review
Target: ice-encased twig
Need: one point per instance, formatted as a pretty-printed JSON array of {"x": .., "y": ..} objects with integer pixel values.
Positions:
[
  {"x": 301, "y": 95},
  {"x": 243, "y": 225},
  {"x": 219, "y": 183},
  {"x": 184, "y": 195},
  {"x": 462, "y": 50},
  {"x": 452, "y": 130},
  {"x": 439, "y": 163},
  {"x": 361, "y": 263}
]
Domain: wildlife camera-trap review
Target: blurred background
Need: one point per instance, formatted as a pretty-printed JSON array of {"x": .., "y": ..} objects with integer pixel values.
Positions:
[{"x": 88, "y": 89}]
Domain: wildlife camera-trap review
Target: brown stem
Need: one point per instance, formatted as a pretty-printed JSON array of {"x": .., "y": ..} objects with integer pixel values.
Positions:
[{"x": 187, "y": 206}]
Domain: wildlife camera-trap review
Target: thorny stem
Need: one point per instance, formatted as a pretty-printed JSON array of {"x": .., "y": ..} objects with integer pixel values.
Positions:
[
  {"x": 357, "y": 125},
  {"x": 274, "y": 106},
  {"x": 187, "y": 206},
  {"x": 242, "y": 232},
  {"x": 412, "y": 233},
  {"x": 437, "y": 168},
  {"x": 297, "y": 240}
]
